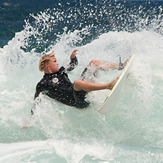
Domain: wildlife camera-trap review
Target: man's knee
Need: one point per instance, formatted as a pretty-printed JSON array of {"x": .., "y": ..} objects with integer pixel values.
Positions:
[
  {"x": 95, "y": 62},
  {"x": 78, "y": 85}
]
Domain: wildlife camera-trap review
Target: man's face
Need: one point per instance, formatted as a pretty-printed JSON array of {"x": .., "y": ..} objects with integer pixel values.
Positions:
[{"x": 53, "y": 65}]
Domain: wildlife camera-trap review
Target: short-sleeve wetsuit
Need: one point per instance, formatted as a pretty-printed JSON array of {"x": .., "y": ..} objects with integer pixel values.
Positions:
[{"x": 59, "y": 87}]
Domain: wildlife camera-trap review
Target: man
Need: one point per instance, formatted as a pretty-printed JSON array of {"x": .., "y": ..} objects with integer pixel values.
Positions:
[{"x": 56, "y": 84}]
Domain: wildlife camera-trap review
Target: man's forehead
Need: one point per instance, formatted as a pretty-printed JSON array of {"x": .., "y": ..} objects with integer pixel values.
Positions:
[{"x": 53, "y": 57}]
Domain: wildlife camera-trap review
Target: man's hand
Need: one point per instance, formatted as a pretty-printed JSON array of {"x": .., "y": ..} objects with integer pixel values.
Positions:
[{"x": 73, "y": 54}]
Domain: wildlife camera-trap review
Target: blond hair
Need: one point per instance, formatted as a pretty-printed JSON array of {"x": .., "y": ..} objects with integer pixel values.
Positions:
[{"x": 43, "y": 59}]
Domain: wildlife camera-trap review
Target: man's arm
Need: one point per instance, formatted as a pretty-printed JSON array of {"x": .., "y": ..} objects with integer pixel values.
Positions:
[
  {"x": 74, "y": 61},
  {"x": 36, "y": 99}
]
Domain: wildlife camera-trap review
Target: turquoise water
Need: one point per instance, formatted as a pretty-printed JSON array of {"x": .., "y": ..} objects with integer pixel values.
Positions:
[{"x": 131, "y": 132}]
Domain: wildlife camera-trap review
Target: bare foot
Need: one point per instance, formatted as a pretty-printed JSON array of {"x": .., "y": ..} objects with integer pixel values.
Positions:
[{"x": 112, "y": 83}]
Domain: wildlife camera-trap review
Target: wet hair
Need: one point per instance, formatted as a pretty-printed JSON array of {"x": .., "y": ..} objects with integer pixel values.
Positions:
[{"x": 43, "y": 59}]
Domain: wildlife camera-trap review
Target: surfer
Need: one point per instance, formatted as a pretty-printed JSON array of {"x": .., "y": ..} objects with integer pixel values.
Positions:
[{"x": 57, "y": 85}]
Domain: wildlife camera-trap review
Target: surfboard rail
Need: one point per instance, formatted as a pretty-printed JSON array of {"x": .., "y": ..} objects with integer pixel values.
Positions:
[{"x": 113, "y": 96}]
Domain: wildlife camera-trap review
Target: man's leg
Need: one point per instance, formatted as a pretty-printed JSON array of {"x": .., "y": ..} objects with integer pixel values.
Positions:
[
  {"x": 89, "y": 86},
  {"x": 104, "y": 65},
  {"x": 90, "y": 71}
]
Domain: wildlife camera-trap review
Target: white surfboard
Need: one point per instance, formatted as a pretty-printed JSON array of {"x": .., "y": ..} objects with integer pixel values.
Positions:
[{"x": 116, "y": 93}]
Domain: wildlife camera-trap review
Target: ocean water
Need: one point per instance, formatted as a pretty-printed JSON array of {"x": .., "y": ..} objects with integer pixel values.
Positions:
[{"x": 132, "y": 132}]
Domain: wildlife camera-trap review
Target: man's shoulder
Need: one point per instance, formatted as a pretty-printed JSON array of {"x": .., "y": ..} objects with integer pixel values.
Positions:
[
  {"x": 42, "y": 82},
  {"x": 62, "y": 69}
]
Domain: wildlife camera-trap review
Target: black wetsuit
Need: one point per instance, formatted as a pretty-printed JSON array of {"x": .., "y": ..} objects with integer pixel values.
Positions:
[{"x": 59, "y": 87}]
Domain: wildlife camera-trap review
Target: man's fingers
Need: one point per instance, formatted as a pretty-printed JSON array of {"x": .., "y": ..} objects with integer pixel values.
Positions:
[{"x": 74, "y": 53}]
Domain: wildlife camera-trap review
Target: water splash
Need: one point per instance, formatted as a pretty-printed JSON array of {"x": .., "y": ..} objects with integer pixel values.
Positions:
[
  {"x": 44, "y": 28},
  {"x": 96, "y": 32}
]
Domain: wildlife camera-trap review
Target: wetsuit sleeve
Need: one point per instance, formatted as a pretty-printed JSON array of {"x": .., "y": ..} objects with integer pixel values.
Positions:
[
  {"x": 38, "y": 90},
  {"x": 36, "y": 100},
  {"x": 73, "y": 63}
]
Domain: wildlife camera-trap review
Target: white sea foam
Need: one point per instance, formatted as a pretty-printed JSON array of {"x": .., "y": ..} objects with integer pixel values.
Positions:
[
  {"x": 22, "y": 76},
  {"x": 135, "y": 121}
]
